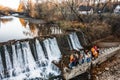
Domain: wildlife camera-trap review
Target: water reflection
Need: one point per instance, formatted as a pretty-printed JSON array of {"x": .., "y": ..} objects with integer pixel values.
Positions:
[
  {"x": 18, "y": 28},
  {"x": 12, "y": 30}
]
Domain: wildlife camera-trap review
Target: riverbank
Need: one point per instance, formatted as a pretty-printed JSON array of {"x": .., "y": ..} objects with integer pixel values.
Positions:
[{"x": 110, "y": 69}]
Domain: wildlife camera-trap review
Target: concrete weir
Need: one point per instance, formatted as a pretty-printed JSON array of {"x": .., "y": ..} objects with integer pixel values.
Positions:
[
  {"x": 105, "y": 54},
  {"x": 80, "y": 69}
]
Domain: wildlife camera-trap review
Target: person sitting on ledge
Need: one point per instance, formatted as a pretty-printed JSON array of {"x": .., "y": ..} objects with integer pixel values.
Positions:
[
  {"x": 72, "y": 61},
  {"x": 94, "y": 52},
  {"x": 76, "y": 58},
  {"x": 87, "y": 56},
  {"x": 96, "y": 48},
  {"x": 81, "y": 58}
]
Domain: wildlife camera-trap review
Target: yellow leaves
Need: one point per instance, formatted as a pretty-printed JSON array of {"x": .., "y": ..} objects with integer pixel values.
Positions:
[
  {"x": 21, "y": 7},
  {"x": 71, "y": 24},
  {"x": 22, "y": 21}
]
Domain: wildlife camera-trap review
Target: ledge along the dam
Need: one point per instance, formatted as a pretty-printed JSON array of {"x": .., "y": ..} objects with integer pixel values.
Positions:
[
  {"x": 40, "y": 58},
  {"x": 107, "y": 50}
]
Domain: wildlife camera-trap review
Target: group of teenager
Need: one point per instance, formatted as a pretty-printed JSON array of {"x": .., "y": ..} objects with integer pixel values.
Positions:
[{"x": 84, "y": 56}]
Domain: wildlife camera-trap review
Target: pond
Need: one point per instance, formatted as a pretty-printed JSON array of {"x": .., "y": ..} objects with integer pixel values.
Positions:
[{"x": 13, "y": 28}]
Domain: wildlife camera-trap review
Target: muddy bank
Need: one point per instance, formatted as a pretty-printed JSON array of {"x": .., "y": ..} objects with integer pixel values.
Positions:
[{"x": 109, "y": 70}]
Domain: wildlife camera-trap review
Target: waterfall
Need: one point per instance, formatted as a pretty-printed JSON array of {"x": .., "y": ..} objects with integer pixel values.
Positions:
[
  {"x": 56, "y": 30},
  {"x": 7, "y": 59},
  {"x": 52, "y": 49},
  {"x": 14, "y": 57},
  {"x": 1, "y": 64},
  {"x": 8, "y": 62},
  {"x": 28, "y": 57},
  {"x": 16, "y": 64},
  {"x": 20, "y": 56},
  {"x": 39, "y": 50},
  {"x": 40, "y": 54},
  {"x": 74, "y": 41},
  {"x": 24, "y": 65},
  {"x": 52, "y": 69},
  {"x": 69, "y": 42},
  {"x": 54, "y": 54}
]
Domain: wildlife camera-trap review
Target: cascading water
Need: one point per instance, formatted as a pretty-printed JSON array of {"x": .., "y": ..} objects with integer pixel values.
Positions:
[
  {"x": 8, "y": 62},
  {"x": 42, "y": 61},
  {"x": 39, "y": 50},
  {"x": 28, "y": 57},
  {"x": 54, "y": 54},
  {"x": 24, "y": 65},
  {"x": 1, "y": 67},
  {"x": 55, "y": 30},
  {"x": 52, "y": 49},
  {"x": 16, "y": 64},
  {"x": 74, "y": 42},
  {"x": 20, "y": 56}
]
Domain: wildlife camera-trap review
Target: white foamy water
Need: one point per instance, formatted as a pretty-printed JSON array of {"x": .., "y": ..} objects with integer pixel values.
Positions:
[
  {"x": 24, "y": 65},
  {"x": 74, "y": 42}
]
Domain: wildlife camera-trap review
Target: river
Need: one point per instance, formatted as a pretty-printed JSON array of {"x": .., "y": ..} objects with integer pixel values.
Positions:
[{"x": 13, "y": 28}]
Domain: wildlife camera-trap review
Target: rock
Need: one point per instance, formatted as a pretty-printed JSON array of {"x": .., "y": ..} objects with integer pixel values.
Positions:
[
  {"x": 99, "y": 73},
  {"x": 96, "y": 77},
  {"x": 115, "y": 68},
  {"x": 118, "y": 72},
  {"x": 66, "y": 69},
  {"x": 106, "y": 68}
]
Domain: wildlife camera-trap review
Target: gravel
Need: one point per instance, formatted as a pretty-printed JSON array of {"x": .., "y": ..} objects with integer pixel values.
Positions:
[{"x": 109, "y": 70}]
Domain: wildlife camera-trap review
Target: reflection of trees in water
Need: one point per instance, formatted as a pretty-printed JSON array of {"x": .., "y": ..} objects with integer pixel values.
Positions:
[
  {"x": 33, "y": 29},
  {"x": 48, "y": 29},
  {"x": 43, "y": 30},
  {"x": 23, "y": 22},
  {"x": 40, "y": 29},
  {"x": 30, "y": 26}
]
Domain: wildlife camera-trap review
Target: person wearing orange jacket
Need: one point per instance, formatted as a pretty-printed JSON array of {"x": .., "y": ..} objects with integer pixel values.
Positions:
[
  {"x": 72, "y": 61},
  {"x": 94, "y": 52}
]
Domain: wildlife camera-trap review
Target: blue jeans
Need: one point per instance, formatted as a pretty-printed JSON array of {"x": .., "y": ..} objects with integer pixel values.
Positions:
[
  {"x": 81, "y": 61},
  {"x": 71, "y": 64},
  {"x": 88, "y": 60}
]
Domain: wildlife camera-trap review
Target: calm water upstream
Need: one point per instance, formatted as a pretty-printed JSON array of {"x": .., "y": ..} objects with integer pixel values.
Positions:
[{"x": 12, "y": 28}]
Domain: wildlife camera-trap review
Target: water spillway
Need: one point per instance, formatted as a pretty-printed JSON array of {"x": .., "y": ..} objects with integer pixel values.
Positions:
[
  {"x": 33, "y": 59},
  {"x": 21, "y": 64},
  {"x": 74, "y": 42}
]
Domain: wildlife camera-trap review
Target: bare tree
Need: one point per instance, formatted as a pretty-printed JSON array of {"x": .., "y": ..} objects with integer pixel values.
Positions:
[{"x": 73, "y": 7}]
